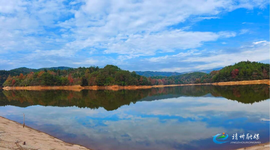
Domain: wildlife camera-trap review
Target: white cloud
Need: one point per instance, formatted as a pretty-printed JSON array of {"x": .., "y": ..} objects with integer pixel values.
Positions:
[
  {"x": 244, "y": 31},
  {"x": 257, "y": 51},
  {"x": 88, "y": 62},
  {"x": 98, "y": 22},
  {"x": 251, "y": 53},
  {"x": 26, "y": 25},
  {"x": 129, "y": 29},
  {"x": 227, "y": 34},
  {"x": 260, "y": 42},
  {"x": 167, "y": 41},
  {"x": 140, "y": 28},
  {"x": 11, "y": 6}
]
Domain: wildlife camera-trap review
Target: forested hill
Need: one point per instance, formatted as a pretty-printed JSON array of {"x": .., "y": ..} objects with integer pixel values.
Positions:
[
  {"x": 112, "y": 75},
  {"x": 157, "y": 73},
  {"x": 15, "y": 72},
  {"x": 244, "y": 70}
]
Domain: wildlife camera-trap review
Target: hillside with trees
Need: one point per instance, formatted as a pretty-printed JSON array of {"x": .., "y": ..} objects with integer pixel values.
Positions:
[
  {"x": 113, "y": 75},
  {"x": 244, "y": 70},
  {"x": 15, "y": 72},
  {"x": 109, "y": 75}
]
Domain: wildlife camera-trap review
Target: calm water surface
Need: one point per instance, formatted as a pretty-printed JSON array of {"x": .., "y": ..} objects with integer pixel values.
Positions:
[{"x": 154, "y": 119}]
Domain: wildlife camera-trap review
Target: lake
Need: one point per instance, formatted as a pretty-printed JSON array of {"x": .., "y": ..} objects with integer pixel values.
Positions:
[{"x": 172, "y": 118}]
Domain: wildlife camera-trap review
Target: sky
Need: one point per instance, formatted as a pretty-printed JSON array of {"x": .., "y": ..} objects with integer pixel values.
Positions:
[{"x": 136, "y": 35}]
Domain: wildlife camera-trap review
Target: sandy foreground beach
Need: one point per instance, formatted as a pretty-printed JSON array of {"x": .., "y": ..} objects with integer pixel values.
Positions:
[{"x": 13, "y": 135}]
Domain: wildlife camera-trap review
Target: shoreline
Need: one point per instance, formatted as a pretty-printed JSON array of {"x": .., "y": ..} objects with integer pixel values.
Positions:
[
  {"x": 133, "y": 87},
  {"x": 13, "y": 135}
]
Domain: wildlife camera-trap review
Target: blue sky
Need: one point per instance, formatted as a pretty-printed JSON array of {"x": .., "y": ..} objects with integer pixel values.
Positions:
[{"x": 158, "y": 35}]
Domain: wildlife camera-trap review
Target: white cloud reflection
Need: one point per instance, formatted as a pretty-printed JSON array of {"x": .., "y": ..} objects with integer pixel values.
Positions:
[{"x": 160, "y": 124}]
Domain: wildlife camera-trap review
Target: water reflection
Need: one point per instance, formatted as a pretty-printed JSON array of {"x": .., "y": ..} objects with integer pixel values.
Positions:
[
  {"x": 168, "y": 118},
  {"x": 111, "y": 100}
]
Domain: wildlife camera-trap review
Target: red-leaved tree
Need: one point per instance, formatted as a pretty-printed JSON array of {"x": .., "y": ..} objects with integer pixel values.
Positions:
[
  {"x": 234, "y": 73},
  {"x": 13, "y": 82},
  {"x": 70, "y": 79}
]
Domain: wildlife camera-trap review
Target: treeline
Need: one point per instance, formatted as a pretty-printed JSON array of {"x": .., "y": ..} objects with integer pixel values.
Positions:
[
  {"x": 15, "y": 72},
  {"x": 194, "y": 77},
  {"x": 112, "y": 75},
  {"x": 109, "y": 75},
  {"x": 244, "y": 70}
]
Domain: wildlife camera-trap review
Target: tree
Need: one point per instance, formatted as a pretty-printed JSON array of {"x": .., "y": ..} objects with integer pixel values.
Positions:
[
  {"x": 141, "y": 80},
  {"x": 234, "y": 73},
  {"x": 70, "y": 79},
  {"x": 160, "y": 82},
  {"x": 87, "y": 73},
  {"x": 84, "y": 81},
  {"x": 21, "y": 76},
  {"x": 47, "y": 79},
  {"x": 40, "y": 73},
  {"x": 64, "y": 80},
  {"x": 13, "y": 82}
]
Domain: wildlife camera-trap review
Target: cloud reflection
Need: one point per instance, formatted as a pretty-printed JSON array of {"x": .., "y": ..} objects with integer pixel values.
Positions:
[{"x": 163, "y": 124}]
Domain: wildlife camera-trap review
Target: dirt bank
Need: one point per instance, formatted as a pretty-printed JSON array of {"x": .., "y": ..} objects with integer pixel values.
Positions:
[
  {"x": 247, "y": 82},
  {"x": 117, "y": 87},
  {"x": 72, "y": 87},
  {"x": 13, "y": 135}
]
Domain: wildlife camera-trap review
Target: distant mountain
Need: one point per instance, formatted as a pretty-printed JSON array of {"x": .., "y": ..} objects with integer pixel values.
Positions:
[
  {"x": 22, "y": 70},
  {"x": 25, "y": 70},
  {"x": 56, "y": 68},
  {"x": 169, "y": 74},
  {"x": 188, "y": 77},
  {"x": 210, "y": 70},
  {"x": 157, "y": 73}
]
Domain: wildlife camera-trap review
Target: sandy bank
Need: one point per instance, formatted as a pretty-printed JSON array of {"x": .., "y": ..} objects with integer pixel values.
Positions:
[
  {"x": 117, "y": 87},
  {"x": 72, "y": 87},
  {"x": 13, "y": 135},
  {"x": 247, "y": 82},
  {"x": 263, "y": 146}
]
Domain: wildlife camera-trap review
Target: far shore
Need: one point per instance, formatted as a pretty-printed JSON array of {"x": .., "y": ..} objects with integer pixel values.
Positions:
[{"x": 132, "y": 87}]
